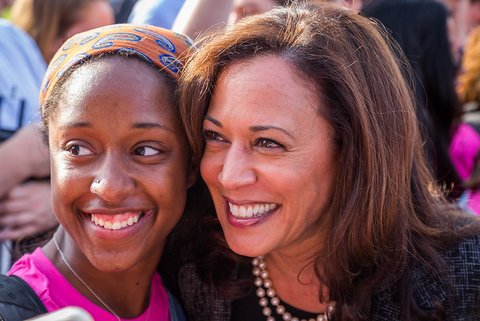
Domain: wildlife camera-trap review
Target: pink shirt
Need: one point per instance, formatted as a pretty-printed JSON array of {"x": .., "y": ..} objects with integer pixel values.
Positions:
[
  {"x": 464, "y": 148},
  {"x": 56, "y": 292}
]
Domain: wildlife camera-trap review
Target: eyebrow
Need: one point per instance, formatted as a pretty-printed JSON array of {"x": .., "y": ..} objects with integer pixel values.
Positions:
[
  {"x": 214, "y": 121},
  {"x": 152, "y": 125},
  {"x": 145, "y": 125},
  {"x": 80, "y": 124},
  {"x": 257, "y": 128}
]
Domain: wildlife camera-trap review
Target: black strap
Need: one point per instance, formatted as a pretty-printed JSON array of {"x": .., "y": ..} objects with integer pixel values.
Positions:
[{"x": 17, "y": 299}]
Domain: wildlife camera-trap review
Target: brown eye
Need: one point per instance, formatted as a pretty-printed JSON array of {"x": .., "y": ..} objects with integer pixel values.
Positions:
[
  {"x": 78, "y": 150},
  {"x": 212, "y": 136},
  {"x": 267, "y": 143},
  {"x": 146, "y": 151}
]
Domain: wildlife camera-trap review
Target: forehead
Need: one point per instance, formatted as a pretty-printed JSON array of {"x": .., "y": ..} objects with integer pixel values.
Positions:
[
  {"x": 269, "y": 72},
  {"x": 267, "y": 83},
  {"x": 116, "y": 74},
  {"x": 116, "y": 81}
]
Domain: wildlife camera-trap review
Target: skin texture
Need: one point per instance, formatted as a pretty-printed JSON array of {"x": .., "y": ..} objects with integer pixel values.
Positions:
[{"x": 116, "y": 146}]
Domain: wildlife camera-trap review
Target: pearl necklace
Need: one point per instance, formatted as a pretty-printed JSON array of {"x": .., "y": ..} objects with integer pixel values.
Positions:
[
  {"x": 267, "y": 294},
  {"x": 64, "y": 259}
]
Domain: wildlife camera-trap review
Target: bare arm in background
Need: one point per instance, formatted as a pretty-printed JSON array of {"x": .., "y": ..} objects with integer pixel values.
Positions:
[
  {"x": 25, "y": 207},
  {"x": 23, "y": 155},
  {"x": 198, "y": 16}
]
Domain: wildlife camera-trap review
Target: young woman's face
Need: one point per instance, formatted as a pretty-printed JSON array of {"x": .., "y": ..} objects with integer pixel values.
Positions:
[
  {"x": 119, "y": 162},
  {"x": 269, "y": 160}
]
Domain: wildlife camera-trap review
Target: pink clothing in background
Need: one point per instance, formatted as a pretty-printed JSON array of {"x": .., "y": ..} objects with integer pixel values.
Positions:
[
  {"x": 56, "y": 292},
  {"x": 464, "y": 148}
]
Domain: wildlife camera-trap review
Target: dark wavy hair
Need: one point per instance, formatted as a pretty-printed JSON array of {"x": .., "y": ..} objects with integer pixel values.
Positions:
[{"x": 386, "y": 213}]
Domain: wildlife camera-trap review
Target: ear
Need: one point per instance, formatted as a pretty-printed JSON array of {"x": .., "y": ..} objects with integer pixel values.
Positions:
[{"x": 192, "y": 171}]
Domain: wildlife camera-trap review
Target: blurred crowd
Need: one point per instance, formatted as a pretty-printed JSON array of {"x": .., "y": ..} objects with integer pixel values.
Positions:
[{"x": 440, "y": 39}]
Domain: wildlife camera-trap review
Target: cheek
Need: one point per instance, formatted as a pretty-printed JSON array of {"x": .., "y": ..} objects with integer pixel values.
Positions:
[
  {"x": 208, "y": 168},
  {"x": 65, "y": 179}
]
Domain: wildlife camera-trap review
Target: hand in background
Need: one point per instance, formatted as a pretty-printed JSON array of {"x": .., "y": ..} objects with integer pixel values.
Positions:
[
  {"x": 24, "y": 155},
  {"x": 26, "y": 210}
]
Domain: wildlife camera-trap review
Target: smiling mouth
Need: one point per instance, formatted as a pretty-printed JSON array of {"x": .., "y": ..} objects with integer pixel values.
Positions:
[
  {"x": 251, "y": 210},
  {"x": 116, "y": 221}
]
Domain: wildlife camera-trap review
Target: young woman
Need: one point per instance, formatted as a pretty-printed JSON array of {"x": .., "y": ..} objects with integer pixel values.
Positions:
[
  {"x": 311, "y": 151},
  {"x": 120, "y": 170}
]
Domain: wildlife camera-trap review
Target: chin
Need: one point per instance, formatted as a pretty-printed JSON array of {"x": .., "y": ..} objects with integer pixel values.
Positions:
[{"x": 245, "y": 249}]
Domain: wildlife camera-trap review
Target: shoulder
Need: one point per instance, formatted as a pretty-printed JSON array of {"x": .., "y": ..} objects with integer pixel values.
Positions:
[
  {"x": 201, "y": 300},
  {"x": 456, "y": 287},
  {"x": 463, "y": 264},
  {"x": 17, "y": 300}
]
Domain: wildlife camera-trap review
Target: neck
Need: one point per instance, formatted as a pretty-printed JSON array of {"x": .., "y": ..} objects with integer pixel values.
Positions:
[
  {"x": 125, "y": 292},
  {"x": 295, "y": 281}
]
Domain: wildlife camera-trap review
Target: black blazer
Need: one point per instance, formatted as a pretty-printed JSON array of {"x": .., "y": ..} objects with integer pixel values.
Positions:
[{"x": 458, "y": 290}]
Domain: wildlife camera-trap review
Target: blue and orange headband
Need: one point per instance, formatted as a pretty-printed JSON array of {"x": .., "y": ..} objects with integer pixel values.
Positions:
[{"x": 161, "y": 47}]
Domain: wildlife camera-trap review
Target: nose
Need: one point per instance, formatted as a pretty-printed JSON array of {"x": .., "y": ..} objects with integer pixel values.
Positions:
[
  {"x": 113, "y": 180},
  {"x": 238, "y": 169}
]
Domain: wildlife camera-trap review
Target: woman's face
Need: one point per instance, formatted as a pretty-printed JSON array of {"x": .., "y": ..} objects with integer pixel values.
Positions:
[
  {"x": 119, "y": 163},
  {"x": 245, "y": 8},
  {"x": 269, "y": 160}
]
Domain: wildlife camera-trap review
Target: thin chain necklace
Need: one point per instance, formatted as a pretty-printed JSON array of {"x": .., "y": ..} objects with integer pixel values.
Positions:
[
  {"x": 86, "y": 285},
  {"x": 267, "y": 294}
]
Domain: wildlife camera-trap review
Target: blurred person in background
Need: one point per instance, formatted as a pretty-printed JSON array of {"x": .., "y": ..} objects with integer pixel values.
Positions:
[
  {"x": 4, "y": 4},
  {"x": 21, "y": 70},
  {"x": 420, "y": 28},
  {"x": 245, "y": 8},
  {"x": 25, "y": 208},
  {"x": 51, "y": 22},
  {"x": 161, "y": 13},
  {"x": 465, "y": 16},
  {"x": 122, "y": 9},
  {"x": 199, "y": 16},
  {"x": 465, "y": 146}
]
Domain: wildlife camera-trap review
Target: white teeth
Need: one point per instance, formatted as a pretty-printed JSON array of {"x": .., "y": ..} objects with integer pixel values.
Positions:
[
  {"x": 250, "y": 211},
  {"x": 117, "y": 225},
  {"x": 243, "y": 211}
]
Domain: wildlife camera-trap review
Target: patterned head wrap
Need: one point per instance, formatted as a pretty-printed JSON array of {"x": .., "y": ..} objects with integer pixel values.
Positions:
[{"x": 160, "y": 47}]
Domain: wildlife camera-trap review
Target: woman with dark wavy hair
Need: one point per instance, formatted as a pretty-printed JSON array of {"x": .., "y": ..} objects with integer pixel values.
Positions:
[{"x": 325, "y": 207}]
